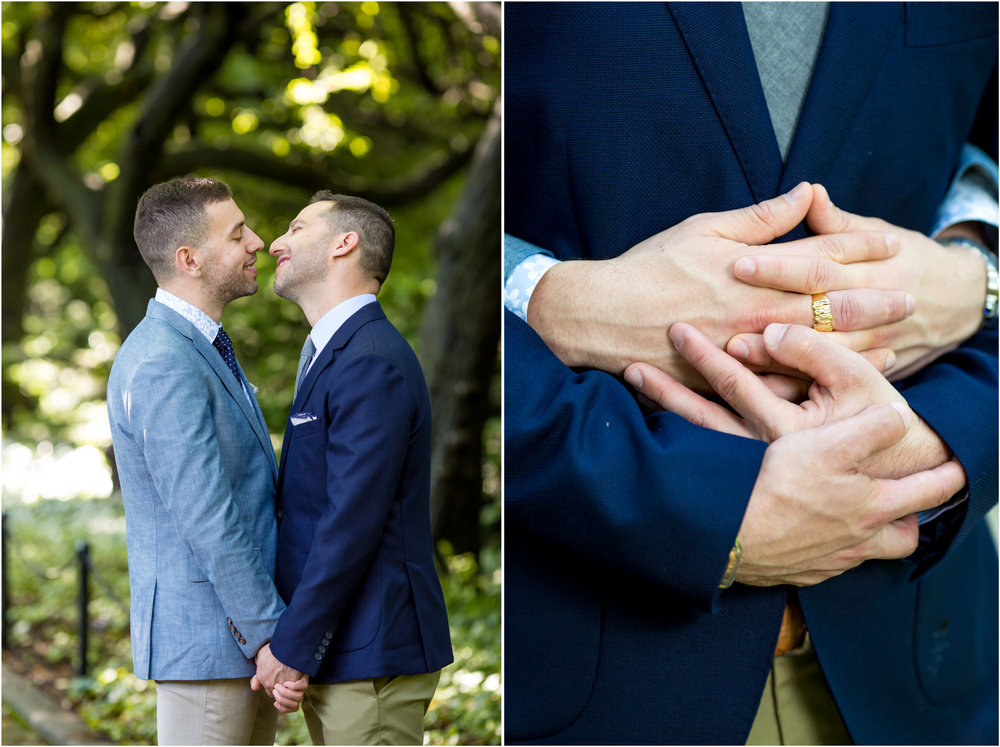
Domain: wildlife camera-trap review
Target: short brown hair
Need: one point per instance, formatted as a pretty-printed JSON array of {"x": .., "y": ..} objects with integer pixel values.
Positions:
[
  {"x": 376, "y": 233},
  {"x": 172, "y": 214}
]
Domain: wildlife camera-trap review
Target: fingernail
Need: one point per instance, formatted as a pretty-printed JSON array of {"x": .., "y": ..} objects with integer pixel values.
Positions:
[
  {"x": 890, "y": 361},
  {"x": 634, "y": 378},
  {"x": 903, "y": 411},
  {"x": 911, "y": 304},
  {"x": 744, "y": 267},
  {"x": 739, "y": 350},
  {"x": 891, "y": 244},
  {"x": 774, "y": 333},
  {"x": 799, "y": 192},
  {"x": 677, "y": 336}
]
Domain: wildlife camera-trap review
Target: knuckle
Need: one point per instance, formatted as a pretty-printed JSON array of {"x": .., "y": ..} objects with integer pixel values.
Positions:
[
  {"x": 757, "y": 316},
  {"x": 850, "y": 312},
  {"x": 727, "y": 385},
  {"x": 700, "y": 418},
  {"x": 817, "y": 276},
  {"x": 835, "y": 248},
  {"x": 761, "y": 212}
]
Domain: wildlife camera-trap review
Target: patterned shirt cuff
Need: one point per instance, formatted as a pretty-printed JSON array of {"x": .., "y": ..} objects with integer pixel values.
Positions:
[
  {"x": 522, "y": 281},
  {"x": 972, "y": 195}
]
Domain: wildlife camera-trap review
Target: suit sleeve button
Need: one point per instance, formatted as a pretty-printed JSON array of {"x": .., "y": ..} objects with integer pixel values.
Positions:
[{"x": 318, "y": 656}]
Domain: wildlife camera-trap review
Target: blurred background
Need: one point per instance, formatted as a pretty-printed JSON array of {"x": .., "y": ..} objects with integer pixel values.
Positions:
[{"x": 398, "y": 103}]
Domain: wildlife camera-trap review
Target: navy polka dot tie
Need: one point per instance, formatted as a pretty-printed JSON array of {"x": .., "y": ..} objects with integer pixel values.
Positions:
[{"x": 225, "y": 348}]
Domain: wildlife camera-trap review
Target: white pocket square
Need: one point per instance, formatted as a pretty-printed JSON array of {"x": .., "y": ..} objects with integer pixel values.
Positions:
[{"x": 302, "y": 417}]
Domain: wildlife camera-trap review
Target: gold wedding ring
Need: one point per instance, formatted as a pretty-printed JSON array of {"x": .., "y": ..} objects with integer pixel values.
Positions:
[{"x": 822, "y": 313}]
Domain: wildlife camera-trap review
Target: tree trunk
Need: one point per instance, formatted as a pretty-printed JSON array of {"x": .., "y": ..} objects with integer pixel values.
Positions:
[{"x": 459, "y": 338}]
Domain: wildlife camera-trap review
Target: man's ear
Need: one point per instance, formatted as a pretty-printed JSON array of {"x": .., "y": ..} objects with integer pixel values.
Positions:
[
  {"x": 344, "y": 244},
  {"x": 187, "y": 261}
]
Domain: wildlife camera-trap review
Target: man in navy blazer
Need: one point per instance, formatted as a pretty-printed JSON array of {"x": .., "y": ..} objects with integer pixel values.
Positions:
[
  {"x": 366, "y": 618},
  {"x": 198, "y": 473},
  {"x": 622, "y": 120}
]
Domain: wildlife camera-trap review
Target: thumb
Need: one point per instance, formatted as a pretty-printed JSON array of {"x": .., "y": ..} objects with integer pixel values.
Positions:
[
  {"x": 825, "y": 217},
  {"x": 818, "y": 356},
  {"x": 763, "y": 222},
  {"x": 255, "y": 683}
]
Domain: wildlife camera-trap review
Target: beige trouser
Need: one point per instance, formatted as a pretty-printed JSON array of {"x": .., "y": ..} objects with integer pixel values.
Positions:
[
  {"x": 797, "y": 706},
  {"x": 213, "y": 712},
  {"x": 384, "y": 710}
]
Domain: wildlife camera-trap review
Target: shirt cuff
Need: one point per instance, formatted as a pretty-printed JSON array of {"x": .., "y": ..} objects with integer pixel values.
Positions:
[
  {"x": 522, "y": 281},
  {"x": 972, "y": 195}
]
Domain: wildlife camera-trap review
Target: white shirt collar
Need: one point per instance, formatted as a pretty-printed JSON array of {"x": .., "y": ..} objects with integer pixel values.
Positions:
[
  {"x": 332, "y": 320},
  {"x": 202, "y": 321}
]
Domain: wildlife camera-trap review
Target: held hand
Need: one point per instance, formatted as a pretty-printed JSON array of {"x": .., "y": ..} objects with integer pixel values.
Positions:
[
  {"x": 606, "y": 314},
  {"x": 271, "y": 671},
  {"x": 845, "y": 383},
  {"x": 948, "y": 284},
  {"x": 813, "y": 514},
  {"x": 288, "y": 695}
]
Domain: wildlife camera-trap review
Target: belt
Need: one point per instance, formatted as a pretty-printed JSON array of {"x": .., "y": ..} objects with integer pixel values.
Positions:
[{"x": 793, "y": 629}]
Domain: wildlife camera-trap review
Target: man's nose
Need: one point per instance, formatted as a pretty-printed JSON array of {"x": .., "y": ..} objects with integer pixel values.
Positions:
[{"x": 256, "y": 244}]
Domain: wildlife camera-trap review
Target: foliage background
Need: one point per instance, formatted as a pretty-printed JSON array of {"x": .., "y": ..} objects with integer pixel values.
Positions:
[{"x": 396, "y": 102}]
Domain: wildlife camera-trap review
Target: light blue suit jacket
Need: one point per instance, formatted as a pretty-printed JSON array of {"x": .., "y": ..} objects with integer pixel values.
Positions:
[{"x": 198, "y": 478}]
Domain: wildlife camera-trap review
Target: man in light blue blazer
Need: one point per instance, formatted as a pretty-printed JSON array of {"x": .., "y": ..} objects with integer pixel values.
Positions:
[{"x": 198, "y": 474}]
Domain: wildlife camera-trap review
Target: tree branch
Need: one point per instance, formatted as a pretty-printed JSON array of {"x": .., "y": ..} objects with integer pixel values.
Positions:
[
  {"x": 40, "y": 147},
  {"x": 311, "y": 177}
]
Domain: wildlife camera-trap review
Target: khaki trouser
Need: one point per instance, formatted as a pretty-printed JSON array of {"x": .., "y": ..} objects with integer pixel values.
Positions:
[
  {"x": 384, "y": 710},
  {"x": 213, "y": 712},
  {"x": 797, "y": 706}
]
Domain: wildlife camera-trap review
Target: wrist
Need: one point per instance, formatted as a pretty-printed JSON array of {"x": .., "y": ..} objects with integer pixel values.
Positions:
[
  {"x": 985, "y": 271},
  {"x": 570, "y": 309},
  {"x": 974, "y": 294}
]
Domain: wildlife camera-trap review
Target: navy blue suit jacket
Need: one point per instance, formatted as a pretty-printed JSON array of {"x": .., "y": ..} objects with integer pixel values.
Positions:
[
  {"x": 620, "y": 121},
  {"x": 355, "y": 556}
]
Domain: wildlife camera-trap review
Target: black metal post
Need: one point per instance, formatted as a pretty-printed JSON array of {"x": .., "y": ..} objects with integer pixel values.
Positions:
[
  {"x": 3, "y": 577},
  {"x": 83, "y": 554}
]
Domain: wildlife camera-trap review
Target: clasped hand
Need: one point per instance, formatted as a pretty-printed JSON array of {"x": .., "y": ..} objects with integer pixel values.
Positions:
[
  {"x": 948, "y": 284},
  {"x": 889, "y": 288},
  {"x": 846, "y": 471},
  {"x": 286, "y": 686}
]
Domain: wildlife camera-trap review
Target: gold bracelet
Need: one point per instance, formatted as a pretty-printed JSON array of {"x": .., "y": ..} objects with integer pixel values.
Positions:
[{"x": 735, "y": 556}]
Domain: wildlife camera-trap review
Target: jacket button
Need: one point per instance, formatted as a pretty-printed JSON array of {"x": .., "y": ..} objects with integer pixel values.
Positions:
[
  {"x": 280, "y": 515},
  {"x": 318, "y": 656},
  {"x": 321, "y": 649},
  {"x": 230, "y": 621}
]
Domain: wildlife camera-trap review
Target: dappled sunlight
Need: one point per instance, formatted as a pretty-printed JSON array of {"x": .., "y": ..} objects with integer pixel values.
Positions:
[{"x": 58, "y": 473}]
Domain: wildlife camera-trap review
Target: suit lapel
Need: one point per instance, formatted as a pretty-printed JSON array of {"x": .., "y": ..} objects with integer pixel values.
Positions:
[
  {"x": 716, "y": 38},
  {"x": 856, "y": 38},
  {"x": 328, "y": 354},
  {"x": 211, "y": 355},
  {"x": 367, "y": 313}
]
